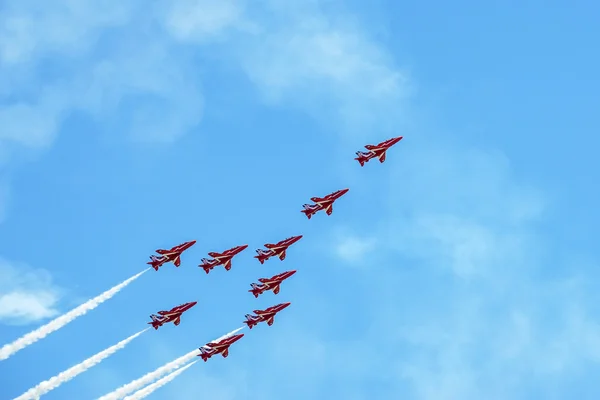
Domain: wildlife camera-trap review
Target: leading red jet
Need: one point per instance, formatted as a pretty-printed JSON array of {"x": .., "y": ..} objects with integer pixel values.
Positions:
[
  {"x": 173, "y": 315},
  {"x": 218, "y": 347},
  {"x": 267, "y": 315},
  {"x": 223, "y": 258},
  {"x": 276, "y": 249},
  {"x": 376, "y": 151},
  {"x": 270, "y": 283},
  {"x": 323, "y": 203},
  {"x": 172, "y": 255}
]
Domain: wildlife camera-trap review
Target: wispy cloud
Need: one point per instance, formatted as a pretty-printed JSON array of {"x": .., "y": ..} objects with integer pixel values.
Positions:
[
  {"x": 26, "y": 295},
  {"x": 99, "y": 73},
  {"x": 203, "y": 21},
  {"x": 300, "y": 55},
  {"x": 351, "y": 248},
  {"x": 483, "y": 310}
]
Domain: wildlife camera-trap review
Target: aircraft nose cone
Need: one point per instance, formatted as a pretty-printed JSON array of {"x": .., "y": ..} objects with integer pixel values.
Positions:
[
  {"x": 191, "y": 243},
  {"x": 193, "y": 303},
  {"x": 243, "y": 247},
  {"x": 292, "y": 272},
  {"x": 286, "y": 304}
]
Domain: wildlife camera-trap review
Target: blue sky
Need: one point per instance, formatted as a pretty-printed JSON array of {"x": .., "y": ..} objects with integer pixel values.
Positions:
[{"x": 465, "y": 267}]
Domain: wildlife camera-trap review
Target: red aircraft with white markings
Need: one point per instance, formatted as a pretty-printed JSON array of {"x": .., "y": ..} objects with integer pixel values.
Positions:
[
  {"x": 376, "y": 151},
  {"x": 218, "y": 347},
  {"x": 323, "y": 203},
  {"x": 270, "y": 283},
  {"x": 223, "y": 258},
  {"x": 277, "y": 249},
  {"x": 173, "y": 315},
  {"x": 267, "y": 315},
  {"x": 172, "y": 255}
]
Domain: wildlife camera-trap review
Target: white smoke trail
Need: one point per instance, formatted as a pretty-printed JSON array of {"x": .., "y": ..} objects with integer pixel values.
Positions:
[
  {"x": 65, "y": 376},
  {"x": 159, "y": 372},
  {"x": 148, "y": 390},
  {"x": 9, "y": 349}
]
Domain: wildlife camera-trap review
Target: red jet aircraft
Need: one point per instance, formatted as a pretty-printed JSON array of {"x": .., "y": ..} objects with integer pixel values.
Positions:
[
  {"x": 173, "y": 315},
  {"x": 223, "y": 258},
  {"x": 166, "y": 256},
  {"x": 270, "y": 283},
  {"x": 222, "y": 347},
  {"x": 277, "y": 249},
  {"x": 323, "y": 203},
  {"x": 267, "y": 315},
  {"x": 376, "y": 151}
]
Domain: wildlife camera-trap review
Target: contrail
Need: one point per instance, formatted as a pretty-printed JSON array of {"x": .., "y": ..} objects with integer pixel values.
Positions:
[
  {"x": 9, "y": 349},
  {"x": 65, "y": 376},
  {"x": 148, "y": 390},
  {"x": 159, "y": 372}
]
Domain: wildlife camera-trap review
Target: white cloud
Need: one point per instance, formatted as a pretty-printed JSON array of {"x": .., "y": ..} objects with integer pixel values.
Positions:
[
  {"x": 204, "y": 20},
  {"x": 299, "y": 55},
  {"x": 31, "y": 30},
  {"x": 487, "y": 309},
  {"x": 353, "y": 249},
  {"x": 103, "y": 58},
  {"x": 94, "y": 57},
  {"x": 26, "y": 295}
]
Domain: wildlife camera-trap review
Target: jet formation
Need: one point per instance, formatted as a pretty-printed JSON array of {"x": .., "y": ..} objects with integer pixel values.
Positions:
[
  {"x": 279, "y": 250},
  {"x": 174, "y": 254}
]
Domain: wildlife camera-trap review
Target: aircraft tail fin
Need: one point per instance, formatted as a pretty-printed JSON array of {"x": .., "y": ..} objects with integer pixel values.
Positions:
[
  {"x": 250, "y": 320},
  {"x": 309, "y": 211},
  {"x": 262, "y": 256}
]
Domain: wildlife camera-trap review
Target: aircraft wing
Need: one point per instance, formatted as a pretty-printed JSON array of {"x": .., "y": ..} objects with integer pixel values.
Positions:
[{"x": 262, "y": 313}]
